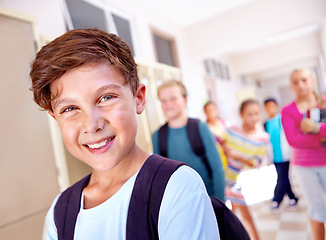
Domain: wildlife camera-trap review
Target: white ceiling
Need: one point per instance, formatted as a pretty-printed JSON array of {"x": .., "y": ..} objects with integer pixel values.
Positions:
[{"x": 187, "y": 12}]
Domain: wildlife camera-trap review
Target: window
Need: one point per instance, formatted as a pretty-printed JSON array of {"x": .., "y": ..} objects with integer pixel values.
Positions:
[
  {"x": 123, "y": 28},
  {"x": 216, "y": 69},
  {"x": 165, "y": 50},
  {"x": 84, "y": 14}
]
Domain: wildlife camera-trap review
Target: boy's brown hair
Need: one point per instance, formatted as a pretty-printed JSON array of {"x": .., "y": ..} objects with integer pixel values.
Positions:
[
  {"x": 73, "y": 49},
  {"x": 246, "y": 103},
  {"x": 172, "y": 83}
]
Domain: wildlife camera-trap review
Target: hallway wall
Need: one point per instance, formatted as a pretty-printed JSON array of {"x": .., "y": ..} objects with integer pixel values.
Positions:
[{"x": 27, "y": 168}]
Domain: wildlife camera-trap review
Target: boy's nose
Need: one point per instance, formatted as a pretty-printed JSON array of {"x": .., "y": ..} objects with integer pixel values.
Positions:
[{"x": 93, "y": 122}]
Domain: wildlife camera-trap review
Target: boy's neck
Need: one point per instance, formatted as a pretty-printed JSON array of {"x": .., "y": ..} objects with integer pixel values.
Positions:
[
  {"x": 104, "y": 185},
  {"x": 248, "y": 129},
  {"x": 126, "y": 168},
  {"x": 179, "y": 121},
  {"x": 214, "y": 122},
  {"x": 273, "y": 115}
]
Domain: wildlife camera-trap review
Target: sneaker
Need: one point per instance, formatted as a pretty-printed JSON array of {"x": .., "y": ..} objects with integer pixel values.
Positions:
[
  {"x": 275, "y": 207},
  {"x": 293, "y": 203}
]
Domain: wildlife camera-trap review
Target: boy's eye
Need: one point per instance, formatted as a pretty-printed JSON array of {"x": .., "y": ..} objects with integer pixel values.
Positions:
[
  {"x": 68, "y": 109},
  {"x": 106, "y": 97}
]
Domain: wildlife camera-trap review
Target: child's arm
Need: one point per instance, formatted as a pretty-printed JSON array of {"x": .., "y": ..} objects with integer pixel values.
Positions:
[
  {"x": 309, "y": 126},
  {"x": 186, "y": 211},
  {"x": 49, "y": 229},
  {"x": 232, "y": 154},
  {"x": 296, "y": 138},
  {"x": 269, "y": 153},
  {"x": 155, "y": 143},
  {"x": 213, "y": 159}
]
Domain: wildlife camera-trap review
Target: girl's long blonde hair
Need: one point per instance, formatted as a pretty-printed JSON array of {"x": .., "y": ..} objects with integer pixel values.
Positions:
[{"x": 320, "y": 100}]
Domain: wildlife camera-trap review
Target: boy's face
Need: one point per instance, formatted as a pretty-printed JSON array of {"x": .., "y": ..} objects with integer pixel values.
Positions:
[
  {"x": 211, "y": 112},
  {"x": 97, "y": 114},
  {"x": 172, "y": 102},
  {"x": 271, "y": 109},
  {"x": 251, "y": 115}
]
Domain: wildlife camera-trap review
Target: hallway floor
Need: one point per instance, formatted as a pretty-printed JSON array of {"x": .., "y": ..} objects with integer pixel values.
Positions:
[
  {"x": 288, "y": 223},
  {"x": 284, "y": 225}
]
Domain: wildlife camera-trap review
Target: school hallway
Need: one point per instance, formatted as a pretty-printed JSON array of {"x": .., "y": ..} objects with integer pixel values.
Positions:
[
  {"x": 222, "y": 51},
  {"x": 287, "y": 223}
]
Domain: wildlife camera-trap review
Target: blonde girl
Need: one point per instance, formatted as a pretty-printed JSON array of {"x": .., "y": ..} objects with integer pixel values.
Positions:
[{"x": 309, "y": 150}]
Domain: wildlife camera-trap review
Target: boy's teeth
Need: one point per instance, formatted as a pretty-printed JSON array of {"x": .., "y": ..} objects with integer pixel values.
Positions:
[{"x": 97, "y": 145}]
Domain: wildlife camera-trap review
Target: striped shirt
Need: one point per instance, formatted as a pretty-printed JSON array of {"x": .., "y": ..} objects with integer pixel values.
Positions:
[{"x": 255, "y": 147}]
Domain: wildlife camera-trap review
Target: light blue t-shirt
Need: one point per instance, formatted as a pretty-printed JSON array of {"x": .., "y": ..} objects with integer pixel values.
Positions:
[
  {"x": 179, "y": 148},
  {"x": 186, "y": 213},
  {"x": 281, "y": 148}
]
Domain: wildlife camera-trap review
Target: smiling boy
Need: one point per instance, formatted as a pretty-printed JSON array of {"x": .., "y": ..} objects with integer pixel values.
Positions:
[{"x": 87, "y": 81}]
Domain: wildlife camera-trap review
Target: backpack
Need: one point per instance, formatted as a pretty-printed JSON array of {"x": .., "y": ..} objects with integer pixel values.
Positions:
[
  {"x": 144, "y": 207},
  {"x": 195, "y": 140}
]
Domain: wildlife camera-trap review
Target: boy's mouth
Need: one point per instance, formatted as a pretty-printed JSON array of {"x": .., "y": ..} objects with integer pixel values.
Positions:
[{"x": 100, "y": 144}]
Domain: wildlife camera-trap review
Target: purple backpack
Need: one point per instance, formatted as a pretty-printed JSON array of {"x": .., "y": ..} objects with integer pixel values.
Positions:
[{"x": 144, "y": 207}]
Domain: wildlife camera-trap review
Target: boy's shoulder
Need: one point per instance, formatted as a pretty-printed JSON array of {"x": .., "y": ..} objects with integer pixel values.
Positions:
[
  {"x": 272, "y": 122},
  {"x": 155, "y": 174}
]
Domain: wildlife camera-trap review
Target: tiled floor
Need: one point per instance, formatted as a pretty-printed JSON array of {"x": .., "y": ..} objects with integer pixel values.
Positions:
[
  {"x": 289, "y": 223},
  {"x": 286, "y": 225}
]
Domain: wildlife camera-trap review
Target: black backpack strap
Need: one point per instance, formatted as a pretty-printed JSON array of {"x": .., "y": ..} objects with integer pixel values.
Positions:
[
  {"x": 197, "y": 143},
  {"x": 230, "y": 227},
  {"x": 67, "y": 208},
  {"x": 146, "y": 198},
  {"x": 163, "y": 140},
  {"x": 195, "y": 140}
]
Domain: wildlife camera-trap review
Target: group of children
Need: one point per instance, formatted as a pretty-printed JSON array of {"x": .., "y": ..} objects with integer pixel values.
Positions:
[
  {"x": 87, "y": 81},
  {"x": 294, "y": 138}
]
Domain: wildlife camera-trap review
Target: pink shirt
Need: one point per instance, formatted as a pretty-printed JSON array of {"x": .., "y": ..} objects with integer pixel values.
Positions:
[{"x": 307, "y": 148}]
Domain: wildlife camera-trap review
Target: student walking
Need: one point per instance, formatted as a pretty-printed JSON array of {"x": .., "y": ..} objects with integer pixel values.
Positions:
[
  {"x": 179, "y": 138},
  {"x": 307, "y": 138},
  {"x": 245, "y": 147},
  {"x": 281, "y": 155},
  {"x": 217, "y": 127}
]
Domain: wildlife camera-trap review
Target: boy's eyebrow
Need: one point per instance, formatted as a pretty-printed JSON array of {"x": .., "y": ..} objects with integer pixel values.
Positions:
[
  {"x": 98, "y": 91},
  {"x": 61, "y": 101},
  {"x": 108, "y": 87}
]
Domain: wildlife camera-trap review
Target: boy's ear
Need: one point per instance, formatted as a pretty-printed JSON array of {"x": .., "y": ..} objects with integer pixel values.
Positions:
[
  {"x": 51, "y": 114},
  {"x": 140, "y": 98}
]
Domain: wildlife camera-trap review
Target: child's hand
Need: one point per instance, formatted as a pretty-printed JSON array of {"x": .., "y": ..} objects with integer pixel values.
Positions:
[
  {"x": 255, "y": 161},
  {"x": 250, "y": 163},
  {"x": 309, "y": 126}
]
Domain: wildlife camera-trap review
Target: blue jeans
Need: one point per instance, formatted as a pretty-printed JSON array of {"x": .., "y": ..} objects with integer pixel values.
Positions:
[{"x": 283, "y": 185}]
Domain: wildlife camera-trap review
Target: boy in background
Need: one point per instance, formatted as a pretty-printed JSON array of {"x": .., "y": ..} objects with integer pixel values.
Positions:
[
  {"x": 281, "y": 153},
  {"x": 87, "y": 81},
  {"x": 173, "y": 97}
]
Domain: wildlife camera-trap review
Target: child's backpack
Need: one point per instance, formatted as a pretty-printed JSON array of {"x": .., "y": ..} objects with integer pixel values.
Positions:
[
  {"x": 144, "y": 207},
  {"x": 195, "y": 140}
]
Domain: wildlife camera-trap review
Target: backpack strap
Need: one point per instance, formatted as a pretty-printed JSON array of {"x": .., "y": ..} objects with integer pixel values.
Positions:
[
  {"x": 146, "y": 198},
  {"x": 195, "y": 140},
  {"x": 163, "y": 140},
  {"x": 67, "y": 208},
  {"x": 230, "y": 227},
  {"x": 144, "y": 206},
  {"x": 197, "y": 143}
]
